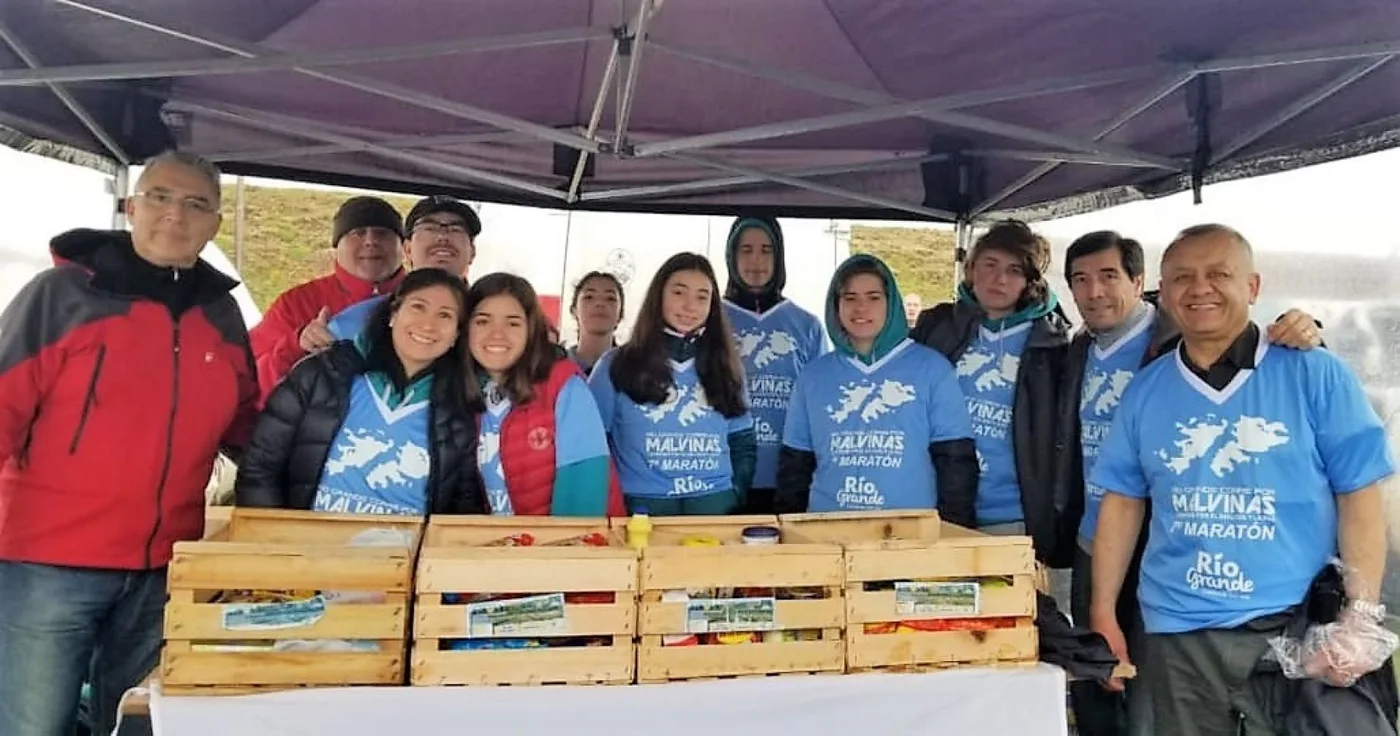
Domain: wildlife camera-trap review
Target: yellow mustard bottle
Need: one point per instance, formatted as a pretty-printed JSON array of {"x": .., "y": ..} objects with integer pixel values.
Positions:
[{"x": 639, "y": 529}]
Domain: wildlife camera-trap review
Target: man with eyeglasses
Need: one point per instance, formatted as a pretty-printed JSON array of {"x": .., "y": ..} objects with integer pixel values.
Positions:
[
  {"x": 122, "y": 372},
  {"x": 366, "y": 234},
  {"x": 441, "y": 234}
]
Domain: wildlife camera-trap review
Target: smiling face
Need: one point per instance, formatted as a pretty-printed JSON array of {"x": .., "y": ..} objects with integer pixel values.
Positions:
[
  {"x": 369, "y": 253},
  {"x": 598, "y": 307},
  {"x": 685, "y": 301},
  {"x": 424, "y": 326},
  {"x": 174, "y": 214},
  {"x": 998, "y": 281},
  {"x": 754, "y": 258},
  {"x": 862, "y": 310},
  {"x": 1208, "y": 285},
  {"x": 498, "y": 333},
  {"x": 440, "y": 240},
  {"x": 1103, "y": 291}
]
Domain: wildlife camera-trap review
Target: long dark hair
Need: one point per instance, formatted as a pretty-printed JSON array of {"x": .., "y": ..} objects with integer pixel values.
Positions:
[
  {"x": 642, "y": 368},
  {"x": 540, "y": 352},
  {"x": 379, "y": 340},
  {"x": 605, "y": 276}
]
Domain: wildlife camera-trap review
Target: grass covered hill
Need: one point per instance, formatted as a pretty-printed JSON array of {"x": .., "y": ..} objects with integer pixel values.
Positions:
[{"x": 286, "y": 240}]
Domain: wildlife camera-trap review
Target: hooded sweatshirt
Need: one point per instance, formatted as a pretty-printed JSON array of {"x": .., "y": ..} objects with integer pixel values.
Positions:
[
  {"x": 776, "y": 339},
  {"x": 883, "y": 429}
]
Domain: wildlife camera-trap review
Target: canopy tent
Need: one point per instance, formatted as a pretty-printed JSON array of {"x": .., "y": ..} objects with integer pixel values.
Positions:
[{"x": 880, "y": 109}]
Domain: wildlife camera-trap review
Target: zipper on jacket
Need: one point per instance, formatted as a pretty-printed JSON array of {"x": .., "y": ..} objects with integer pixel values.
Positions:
[
  {"x": 89, "y": 400},
  {"x": 169, "y": 437}
]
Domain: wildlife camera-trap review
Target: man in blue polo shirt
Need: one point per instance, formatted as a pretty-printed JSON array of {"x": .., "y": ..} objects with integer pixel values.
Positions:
[{"x": 1261, "y": 464}]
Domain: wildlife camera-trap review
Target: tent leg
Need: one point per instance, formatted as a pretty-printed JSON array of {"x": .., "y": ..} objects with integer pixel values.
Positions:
[
  {"x": 962, "y": 239},
  {"x": 120, "y": 185}
]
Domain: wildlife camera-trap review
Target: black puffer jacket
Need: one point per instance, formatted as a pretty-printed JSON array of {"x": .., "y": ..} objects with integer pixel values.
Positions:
[
  {"x": 293, "y": 438},
  {"x": 949, "y": 328}
]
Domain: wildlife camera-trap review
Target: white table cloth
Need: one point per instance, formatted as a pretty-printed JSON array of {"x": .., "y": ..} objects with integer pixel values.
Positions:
[{"x": 1024, "y": 702}]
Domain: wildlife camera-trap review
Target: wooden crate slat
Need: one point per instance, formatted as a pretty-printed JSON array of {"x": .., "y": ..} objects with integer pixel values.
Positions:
[
  {"x": 282, "y": 668},
  {"x": 878, "y": 606},
  {"x": 946, "y": 559},
  {"x": 657, "y": 663},
  {"x": 204, "y": 621},
  {"x": 776, "y": 566},
  {"x": 314, "y": 571},
  {"x": 669, "y": 618},
  {"x": 516, "y": 570},
  {"x": 476, "y": 531},
  {"x": 940, "y": 648},
  {"x": 612, "y": 664},
  {"x": 584, "y": 619},
  {"x": 312, "y": 528},
  {"x": 849, "y": 527}
]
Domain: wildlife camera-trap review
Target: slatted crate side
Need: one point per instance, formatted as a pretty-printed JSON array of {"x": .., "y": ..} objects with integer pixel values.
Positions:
[
  {"x": 1013, "y": 600},
  {"x": 453, "y": 561},
  {"x": 200, "y": 570},
  {"x": 310, "y": 528},
  {"x": 941, "y": 648},
  {"x": 478, "y": 531},
  {"x": 775, "y": 566},
  {"x": 861, "y": 527},
  {"x": 948, "y": 558}
]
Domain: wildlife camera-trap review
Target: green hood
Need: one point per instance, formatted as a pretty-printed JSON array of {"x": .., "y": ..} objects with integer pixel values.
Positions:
[
  {"x": 1026, "y": 314},
  {"x": 896, "y": 325},
  {"x": 774, "y": 287}
]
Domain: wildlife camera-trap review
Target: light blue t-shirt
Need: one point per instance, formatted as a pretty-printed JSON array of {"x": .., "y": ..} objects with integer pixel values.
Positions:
[
  {"x": 987, "y": 372},
  {"x": 379, "y": 462},
  {"x": 870, "y": 427},
  {"x": 578, "y": 434},
  {"x": 1242, "y": 481},
  {"x": 676, "y": 449},
  {"x": 348, "y": 323},
  {"x": 1107, "y": 373},
  {"x": 488, "y": 450},
  {"x": 774, "y": 347}
]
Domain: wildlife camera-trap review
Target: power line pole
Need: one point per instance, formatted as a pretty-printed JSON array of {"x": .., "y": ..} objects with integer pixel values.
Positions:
[{"x": 238, "y": 212}]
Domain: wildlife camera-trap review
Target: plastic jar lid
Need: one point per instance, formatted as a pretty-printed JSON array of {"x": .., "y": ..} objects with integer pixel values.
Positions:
[{"x": 761, "y": 535}]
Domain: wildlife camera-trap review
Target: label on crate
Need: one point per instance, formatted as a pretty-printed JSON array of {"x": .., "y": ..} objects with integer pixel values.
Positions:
[
  {"x": 952, "y": 598},
  {"x": 275, "y": 615},
  {"x": 718, "y": 615},
  {"x": 538, "y": 615}
]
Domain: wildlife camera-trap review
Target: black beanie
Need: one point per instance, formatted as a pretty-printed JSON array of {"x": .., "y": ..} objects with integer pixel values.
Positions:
[{"x": 358, "y": 212}]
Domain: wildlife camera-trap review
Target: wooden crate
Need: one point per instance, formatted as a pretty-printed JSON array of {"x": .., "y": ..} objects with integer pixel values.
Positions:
[
  {"x": 668, "y": 566},
  {"x": 454, "y": 561},
  {"x": 274, "y": 550},
  {"x": 1001, "y": 570}
]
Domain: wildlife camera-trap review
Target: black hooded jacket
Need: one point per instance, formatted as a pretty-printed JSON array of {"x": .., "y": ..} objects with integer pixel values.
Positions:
[
  {"x": 293, "y": 439},
  {"x": 771, "y": 295},
  {"x": 1035, "y": 415}
]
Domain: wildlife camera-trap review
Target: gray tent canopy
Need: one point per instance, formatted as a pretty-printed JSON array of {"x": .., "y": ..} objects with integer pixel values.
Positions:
[{"x": 869, "y": 109}]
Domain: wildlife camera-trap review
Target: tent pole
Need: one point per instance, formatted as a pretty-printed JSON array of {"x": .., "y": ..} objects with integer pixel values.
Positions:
[
  {"x": 1128, "y": 115},
  {"x": 593, "y": 121},
  {"x": 239, "y": 211},
  {"x": 70, "y": 102},
  {"x": 354, "y": 81},
  {"x": 732, "y": 182},
  {"x": 627, "y": 98},
  {"x": 929, "y": 212},
  {"x": 120, "y": 186},
  {"x": 278, "y": 62},
  {"x": 1301, "y": 106},
  {"x": 255, "y": 121},
  {"x": 407, "y": 143},
  {"x": 962, "y": 239}
]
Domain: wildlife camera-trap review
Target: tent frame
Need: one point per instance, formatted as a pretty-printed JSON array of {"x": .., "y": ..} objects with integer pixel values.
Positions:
[{"x": 629, "y": 41}]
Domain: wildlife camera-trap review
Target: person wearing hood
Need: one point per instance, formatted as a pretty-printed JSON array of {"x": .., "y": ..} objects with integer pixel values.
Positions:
[
  {"x": 880, "y": 423},
  {"x": 1008, "y": 340},
  {"x": 672, "y": 400},
  {"x": 122, "y": 372},
  {"x": 776, "y": 339}
]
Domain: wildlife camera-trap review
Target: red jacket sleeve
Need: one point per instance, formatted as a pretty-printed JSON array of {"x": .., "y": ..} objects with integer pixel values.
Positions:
[
  {"x": 276, "y": 343},
  {"x": 36, "y": 320},
  {"x": 241, "y": 430}
]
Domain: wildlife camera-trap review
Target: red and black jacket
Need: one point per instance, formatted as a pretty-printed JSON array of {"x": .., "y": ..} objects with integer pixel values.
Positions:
[{"x": 119, "y": 383}]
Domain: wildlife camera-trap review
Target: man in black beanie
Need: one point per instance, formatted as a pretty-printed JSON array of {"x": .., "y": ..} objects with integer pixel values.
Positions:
[{"x": 367, "y": 233}]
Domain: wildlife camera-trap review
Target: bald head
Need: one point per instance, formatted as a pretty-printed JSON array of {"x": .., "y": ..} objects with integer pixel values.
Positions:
[{"x": 1222, "y": 235}]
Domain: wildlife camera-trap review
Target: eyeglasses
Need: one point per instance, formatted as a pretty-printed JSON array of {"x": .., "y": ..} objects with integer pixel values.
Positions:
[
  {"x": 162, "y": 199},
  {"x": 433, "y": 227}
]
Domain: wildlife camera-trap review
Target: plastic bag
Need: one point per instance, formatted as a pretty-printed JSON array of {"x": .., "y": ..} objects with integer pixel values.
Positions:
[{"x": 1336, "y": 653}]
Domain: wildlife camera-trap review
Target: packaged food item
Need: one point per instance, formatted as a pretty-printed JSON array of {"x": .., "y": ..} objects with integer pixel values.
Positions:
[
  {"x": 884, "y": 627},
  {"x": 958, "y": 624},
  {"x": 753, "y": 593},
  {"x": 595, "y": 598},
  {"x": 521, "y": 539},
  {"x": 463, "y": 645},
  {"x": 700, "y": 540},
  {"x": 591, "y": 539},
  {"x": 770, "y": 637},
  {"x": 639, "y": 529},
  {"x": 760, "y": 535},
  {"x": 736, "y": 637},
  {"x": 802, "y": 594}
]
